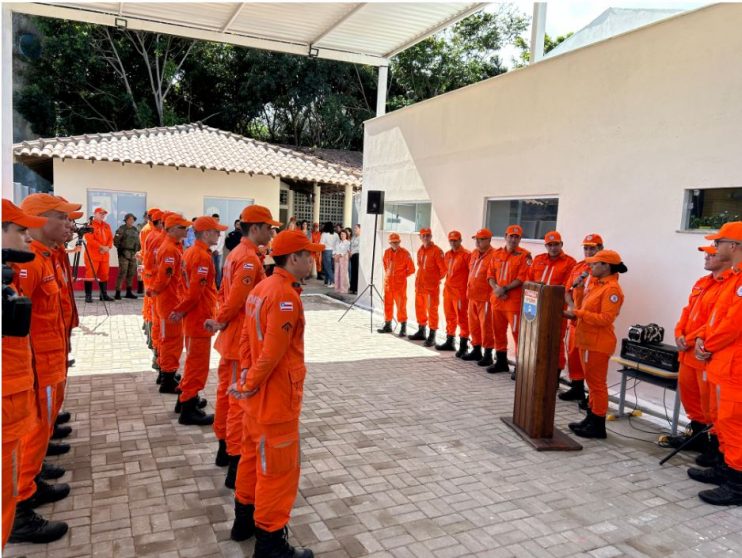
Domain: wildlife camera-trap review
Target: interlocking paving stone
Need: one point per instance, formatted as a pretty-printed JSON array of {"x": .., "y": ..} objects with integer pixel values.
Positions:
[{"x": 404, "y": 455}]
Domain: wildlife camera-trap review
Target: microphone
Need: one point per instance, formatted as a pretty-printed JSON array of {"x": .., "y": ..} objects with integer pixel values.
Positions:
[{"x": 580, "y": 279}]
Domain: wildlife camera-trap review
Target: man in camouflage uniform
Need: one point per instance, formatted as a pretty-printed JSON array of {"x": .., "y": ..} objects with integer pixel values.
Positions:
[{"x": 127, "y": 245}]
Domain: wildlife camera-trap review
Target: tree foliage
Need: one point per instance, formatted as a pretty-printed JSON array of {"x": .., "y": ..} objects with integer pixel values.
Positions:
[{"x": 525, "y": 47}]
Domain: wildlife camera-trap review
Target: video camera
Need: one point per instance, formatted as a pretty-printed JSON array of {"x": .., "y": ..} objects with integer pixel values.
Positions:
[
  {"x": 650, "y": 334},
  {"x": 82, "y": 228},
  {"x": 16, "y": 309}
]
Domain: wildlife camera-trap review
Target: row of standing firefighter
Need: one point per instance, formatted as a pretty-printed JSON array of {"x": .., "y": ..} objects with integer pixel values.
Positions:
[{"x": 260, "y": 326}]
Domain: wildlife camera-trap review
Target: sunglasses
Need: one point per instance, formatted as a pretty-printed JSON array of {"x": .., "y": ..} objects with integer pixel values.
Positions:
[{"x": 717, "y": 242}]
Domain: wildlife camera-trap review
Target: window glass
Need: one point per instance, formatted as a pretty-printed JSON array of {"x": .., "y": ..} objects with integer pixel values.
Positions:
[
  {"x": 712, "y": 207},
  {"x": 406, "y": 217},
  {"x": 118, "y": 204},
  {"x": 537, "y": 216},
  {"x": 228, "y": 209}
]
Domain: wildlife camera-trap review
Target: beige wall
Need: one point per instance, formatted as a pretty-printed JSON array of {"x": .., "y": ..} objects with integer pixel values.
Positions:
[
  {"x": 180, "y": 190},
  {"x": 617, "y": 131}
]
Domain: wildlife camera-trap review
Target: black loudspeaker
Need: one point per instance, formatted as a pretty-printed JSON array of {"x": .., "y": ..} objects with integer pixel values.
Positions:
[{"x": 375, "y": 202}]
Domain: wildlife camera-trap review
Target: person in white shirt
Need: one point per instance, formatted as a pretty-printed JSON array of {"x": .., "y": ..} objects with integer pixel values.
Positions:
[
  {"x": 341, "y": 256},
  {"x": 329, "y": 238},
  {"x": 355, "y": 262}
]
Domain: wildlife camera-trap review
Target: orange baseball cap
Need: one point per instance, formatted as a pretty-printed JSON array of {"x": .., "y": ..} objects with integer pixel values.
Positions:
[
  {"x": 483, "y": 233},
  {"x": 100, "y": 210},
  {"x": 207, "y": 223},
  {"x": 151, "y": 209},
  {"x": 289, "y": 242},
  {"x": 36, "y": 204},
  {"x": 514, "y": 229},
  {"x": 552, "y": 236},
  {"x": 605, "y": 256},
  {"x": 75, "y": 215},
  {"x": 175, "y": 220},
  {"x": 394, "y": 237},
  {"x": 711, "y": 250},
  {"x": 155, "y": 214},
  {"x": 14, "y": 214},
  {"x": 728, "y": 231},
  {"x": 593, "y": 239},
  {"x": 454, "y": 235},
  {"x": 258, "y": 214},
  {"x": 426, "y": 230}
]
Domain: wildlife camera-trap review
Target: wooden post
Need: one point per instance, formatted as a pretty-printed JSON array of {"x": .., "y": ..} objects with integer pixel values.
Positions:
[{"x": 537, "y": 365}]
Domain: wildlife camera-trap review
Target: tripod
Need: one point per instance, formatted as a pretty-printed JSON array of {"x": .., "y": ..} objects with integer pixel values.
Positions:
[
  {"x": 76, "y": 266},
  {"x": 370, "y": 287}
]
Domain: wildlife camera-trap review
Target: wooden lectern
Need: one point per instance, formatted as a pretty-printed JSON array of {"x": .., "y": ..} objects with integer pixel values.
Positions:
[{"x": 537, "y": 364}]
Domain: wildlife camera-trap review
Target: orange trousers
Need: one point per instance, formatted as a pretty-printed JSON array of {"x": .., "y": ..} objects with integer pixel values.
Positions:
[
  {"x": 596, "y": 373},
  {"x": 694, "y": 393},
  {"x": 317, "y": 261},
  {"x": 501, "y": 320},
  {"x": 480, "y": 324},
  {"x": 268, "y": 473},
  {"x": 11, "y": 466},
  {"x": 101, "y": 268},
  {"x": 171, "y": 345},
  {"x": 574, "y": 363},
  {"x": 228, "y": 414},
  {"x": 395, "y": 295},
  {"x": 156, "y": 333},
  {"x": 196, "y": 368},
  {"x": 426, "y": 308},
  {"x": 729, "y": 427},
  {"x": 456, "y": 310}
]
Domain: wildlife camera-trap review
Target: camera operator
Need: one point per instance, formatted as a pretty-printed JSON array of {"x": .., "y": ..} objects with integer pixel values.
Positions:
[
  {"x": 20, "y": 410},
  {"x": 38, "y": 280},
  {"x": 97, "y": 256}
]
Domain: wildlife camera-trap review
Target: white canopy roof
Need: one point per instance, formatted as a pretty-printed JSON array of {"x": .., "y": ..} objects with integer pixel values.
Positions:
[{"x": 365, "y": 33}]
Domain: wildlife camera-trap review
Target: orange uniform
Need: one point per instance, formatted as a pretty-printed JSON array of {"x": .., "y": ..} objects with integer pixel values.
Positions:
[
  {"x": 94, "y": 259},
  {"x": 198, "y": 304},
  {"x": 478, "y": 292},
  {"x": 166, "y": 286},
  {"x": 154, "y": 241},
  {"x": 242, "y": 272},
  {"x": 398, "y": 265},
  {"x": 316, "y": 235},
  {"x": 506, "y": 267},
  {"x": 38, "y": 281},
  {"x": 431, "y": 269},
  {"x": 574, "y": 364},
  {"x": 144, "y": 234},
  {"x": 595, "y": 336},
  {"x": 455, "y": 300},
  {"x": 273, "y": 356},
  {"x": 554, "y": 271}
]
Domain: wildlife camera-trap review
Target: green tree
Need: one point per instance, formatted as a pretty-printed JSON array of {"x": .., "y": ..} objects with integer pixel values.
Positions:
[{"x": 525, "y": 47}]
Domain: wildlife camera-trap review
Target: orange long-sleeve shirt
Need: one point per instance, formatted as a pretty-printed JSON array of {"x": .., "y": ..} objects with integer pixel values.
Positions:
[
  {"x": 506, "y": 267},
  {"x": 242, "y": 272},
  {"x": 167, "y": 283},
  {"x": 723, "y": 337},
  {"x": 153, "y": 242},
  {"x": 431, "y": 268},
  {"x": 457, "y": 269},
  {"x": 398, "y": 265},
  {"x": 694, "y": 316},
  {"x": 478, "y": 289},
  {"x": 551, "y": 271},
  {"x": 273, "y": 349},
  {"x": 198, "y": 300},
  {"x": 101, "y": 236},
  {"x": 578, "y": 292},
  {"x": 600, "y": 308}
]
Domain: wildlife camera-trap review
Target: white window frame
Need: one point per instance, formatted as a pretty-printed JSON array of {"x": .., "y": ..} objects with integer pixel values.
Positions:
[
  {"x": 404, "y": 202},
  {"x": 518, "y": 198},
  {"x": 685, "y": 217}
]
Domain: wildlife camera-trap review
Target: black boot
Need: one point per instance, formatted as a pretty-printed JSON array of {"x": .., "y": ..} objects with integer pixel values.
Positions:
[
  {"x": 222, "y": 458},
  {"x": 191, "y": 414},
  {"x": 514, "y": 373},
  {"x": 584, "y": 405},
  {"x": 140, "y": 288},
  {"x": 61, "y": 432},
  {"x": 501, "y": 363},
  {"x": 712, "y": 455},
  {"x": 728, "y": 494},
  {"x": 63, "y": 417},
  {"x": 486, "y": 359},
  {"x": 46, "y": 493},
  {"x": 57, "y": 449},
  {"x": 117, "y": 296},
  {"x": 130, "y": 294},
  {"x": 30, "y": 527},
  {"x": 402, "y": 329},
  {"x": 582, "y": 423},
  {"x": 244, "y": 523},
  {"x": 104, "y": 292},
  {"x": 200, "y": 402},
  {"x": 51, "y": 472},
  {"x": 169, "y": 384},
  {"x": 430, "y": 341},
  {"x": 234, "y": 461},
  {"x": 474, "y": 354},
  {"x": 276, "y": 545},
  {"x": 699, "y": 444},
  {"x": 463, "y": 345},
  {"x": 88, "y": 291},
  {"x": 575, "y": 393},
  {"x": 386, "y": 329},
  {"x": 714, "y": 475},
  {"x": 595, "y": 428},
  {"x": 419, "y": 335},
  {"x": 447, "y": 346}
]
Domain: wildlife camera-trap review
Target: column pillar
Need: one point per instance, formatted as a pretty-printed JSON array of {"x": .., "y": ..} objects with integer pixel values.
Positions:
[
  {"x": 381, "y": 90},
  {"x": 315, "y": 204},
  {"x": 538, "y": 31},
  {"x": 290, "y": 204},
  {"x": 348, "y": 206}
]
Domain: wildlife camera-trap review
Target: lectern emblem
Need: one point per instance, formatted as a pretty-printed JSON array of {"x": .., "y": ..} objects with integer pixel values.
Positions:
[{"x": 530, "y": 304}]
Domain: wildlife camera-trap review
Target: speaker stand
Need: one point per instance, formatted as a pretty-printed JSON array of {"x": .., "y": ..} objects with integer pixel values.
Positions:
[{"x": 370, "y": 287}]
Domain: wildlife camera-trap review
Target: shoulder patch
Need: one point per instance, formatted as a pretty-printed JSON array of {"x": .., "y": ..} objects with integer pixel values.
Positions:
[
  {"x": 202, "y": 270},
  {"x": 247, "y": 280},
  {"x": 286, "y": 306},
  {"x": 248, "y": 265},
  {"x": 169, "y": 260},
  {"x": 739, "y": 291},
  {"x": 613, "y": 298},
  {"x": 23, "y": 274}
]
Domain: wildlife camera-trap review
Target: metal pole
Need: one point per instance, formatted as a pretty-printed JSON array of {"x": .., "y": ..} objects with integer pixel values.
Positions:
[
  {"x": 381, "y": 91},
  {"x": 373, "y": 263},
  {"x": 538, "y": 31}
]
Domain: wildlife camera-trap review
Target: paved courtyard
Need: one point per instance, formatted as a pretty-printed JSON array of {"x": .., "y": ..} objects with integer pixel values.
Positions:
[{"x": 404, "y": 455}]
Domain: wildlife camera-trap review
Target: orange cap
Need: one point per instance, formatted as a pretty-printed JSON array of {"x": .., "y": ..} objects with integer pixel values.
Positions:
[
  {"x": 552, "y": 236},
  {"x": 289, "y": 242},
  {"x": 75, "y": 215},
  {"x": 174, "y": 220},
  {"x": 155, "y": 214},
  {"x": 483, "y": 233},
  {"x": 514, "y": 229},
  {"x": 151, "y": 209},
  {"x": 711, "y": 250},
  {"x": 605, "y": 256},
  {"x": 394, "y": 237},
  {"x": 14, "y": 214},
  {"x": 728, "y": 231},
  {"x": 426, "y": 230},
  {"x": 454, "y": 235},
  {"x": 593, "y": 239},
  {"x": 258, "y": 214},
  {"x": 207, "y": 223},
  {"x": 100, "y": 210},
  {"x": 36, "y": 204}
]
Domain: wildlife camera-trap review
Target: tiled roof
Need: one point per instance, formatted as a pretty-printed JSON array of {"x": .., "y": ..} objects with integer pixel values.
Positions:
[{"x": 195, "y": 146}]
